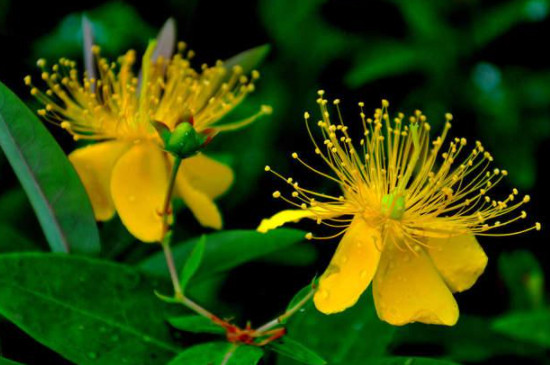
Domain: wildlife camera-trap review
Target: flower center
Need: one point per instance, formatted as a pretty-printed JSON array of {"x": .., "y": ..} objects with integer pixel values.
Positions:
[{"x": 393, "y": 205}]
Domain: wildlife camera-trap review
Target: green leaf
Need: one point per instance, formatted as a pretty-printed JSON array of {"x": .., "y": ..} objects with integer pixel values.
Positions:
[
  {"x": 524, "y": 277},
  {"x": 12, "y": 241},
  {"x": 89, "y": 311},
  {"x": 470, "y": 340},
  {"x": 4, "y": 361},
  {"x": 193, "y": 263},
  {"x": 305, "y": 291},
  {"x": 115, "y": 27},
  {"x": 532, "y": 327},
  {"x": 196, "y": 324},
  {"x": 225, "y": 250},
  {"x": 51, "y": 183},
  {"x": 402, "y": 360},
  {"x": 343, "y": 338},
  {"x": 214, "y": 353},
  {"x": 249, "y": 59},
  {"x": 295, "y": 350}
]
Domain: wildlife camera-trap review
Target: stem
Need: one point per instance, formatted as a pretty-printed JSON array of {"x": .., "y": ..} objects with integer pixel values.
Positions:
[
  {"x": 165, "y": 242},
  {"x": 289, "y": 313}
]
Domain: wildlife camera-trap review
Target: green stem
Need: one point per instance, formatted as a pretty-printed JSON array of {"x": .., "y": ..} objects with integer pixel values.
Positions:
[
  {"x": 289, "y": 313},
  {"x": 165, "y": 242}
]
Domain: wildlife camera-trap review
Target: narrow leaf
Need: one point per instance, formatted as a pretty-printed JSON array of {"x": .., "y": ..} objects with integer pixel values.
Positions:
[
  {"x": 295, "y": 350},
  {"x": 48, "y": 178},
  {"x": 225, "y": 250},
  {"x": 402, "y": 360},
  {"x": 166, "y": 41},
  {"x": 193, "y": 263},
  {"x": 196, "y": 324},
  {"x": 89, "y": 311},
  {"x": 4, "y": 361},
  {"x": 215, "y": 352},
  {"x": 532, "y": 327},
  {"x": 249, "y": 59},
  {"x": 88, "y": 42}
]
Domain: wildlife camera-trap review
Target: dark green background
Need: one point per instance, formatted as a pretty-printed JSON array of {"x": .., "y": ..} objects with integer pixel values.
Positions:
[{"x": 484, "y": 61}]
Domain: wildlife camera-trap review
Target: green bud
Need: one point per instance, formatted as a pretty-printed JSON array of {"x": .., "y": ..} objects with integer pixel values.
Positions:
[
  {"x": 393, "y": 205},
  {"x": 184, "y": 141}
]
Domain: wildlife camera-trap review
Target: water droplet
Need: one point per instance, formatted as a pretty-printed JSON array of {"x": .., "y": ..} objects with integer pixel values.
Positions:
[{"x": 323, "y": 293}]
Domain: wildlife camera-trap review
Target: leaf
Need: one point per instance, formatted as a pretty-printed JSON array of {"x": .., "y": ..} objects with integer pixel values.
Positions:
[
  {"x": 295, "y": 350},
  {"x": 214, "y": 353},
  {"x": 196, "y": 324},
  {"x": 51, "y": 183},
  {"x": 305, "y": 291},
  {"x": 249, "y": 59},
  {"x": 12, "y": 241},
  {"x": 470, "y": 340},
  {"x": 225, "y": 250},
  {"x": 89, "y": 311},
  {"x": 193, "y": 263},
  {"x": 523, "y": 275},
  {"x": 402, "y": 360},
  {"x": 343, "y": 338},
  {"x": 4, "y": 361},
  {"x": 532, "y": 327}
]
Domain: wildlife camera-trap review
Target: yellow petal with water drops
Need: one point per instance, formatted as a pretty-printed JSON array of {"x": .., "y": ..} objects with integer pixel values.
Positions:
[
  {"x": 408, "y": 288},
  {"x": 284, "y": 216},
  {"x": 351, "y": 269},
  {"x": 94, "y": 164},
  {"x": 207, "y": 175},
  {"x": 459, "y": 259},
  {"x": 138, "y": 187},
  {"x": 200, "y": 204}
]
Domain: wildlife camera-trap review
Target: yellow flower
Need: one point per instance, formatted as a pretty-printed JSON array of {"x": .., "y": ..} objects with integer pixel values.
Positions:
[
  {"x": 127, "y": 171},
  {"x": 409, "y": 212}
]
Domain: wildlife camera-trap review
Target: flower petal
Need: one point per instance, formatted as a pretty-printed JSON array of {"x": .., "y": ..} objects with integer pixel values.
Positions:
[
  {"x": 94, "y": 164},
  {"x": 207, "y": 175},
  {"x": 407, "y": 288},
  {"x": 459, "y": 259},
  {"x": 284, "y": 216},
  {"x": 202, "y": 206},
  {"x": 351, "y": 269},
  {"x": 138, "y": 186}
]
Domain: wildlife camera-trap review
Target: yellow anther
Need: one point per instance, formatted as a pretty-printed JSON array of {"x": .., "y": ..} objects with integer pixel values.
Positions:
[
  {"x": 41, "y": 63},
  {"x": 276, "y": 194},
  {"x": 267, "y": 168},
  {"x": 526, "y": 199},
  {"x": 294, "y": 155},
  {"x": 306, "y": 116},
  {"x": 448, "y": 117},
  {"x": 538, "y": 226},
  {"x": 336, "y": 101},
  {"x": 309, "y": 236},
  {"x": 523, "y": 214},
  {"x": 385, "y": 103},
  {"x": 294, "y": 194}
]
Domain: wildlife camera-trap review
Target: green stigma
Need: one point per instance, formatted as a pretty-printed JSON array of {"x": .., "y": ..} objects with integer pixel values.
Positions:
[
  {"x": 184, "y": 141},
  {"x": 393, "y": 205}
]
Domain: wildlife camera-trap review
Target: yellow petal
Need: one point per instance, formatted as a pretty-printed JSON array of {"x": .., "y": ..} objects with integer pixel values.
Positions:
[
  {"x": 351, "y": 269},
  {"x": 202, "y": 206},
  {"x": 460, "y": 260},
  {"x": 138, "y": 187},
  {"x": 283, "y": 217},
  {"x": 207, "y": 175},
  {"x": 94, "y": 164},
  {"x": 407, "y": 288}
]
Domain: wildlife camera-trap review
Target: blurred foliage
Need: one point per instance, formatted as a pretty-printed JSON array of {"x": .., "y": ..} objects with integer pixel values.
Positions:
[{"x": 437, "y": 56}]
